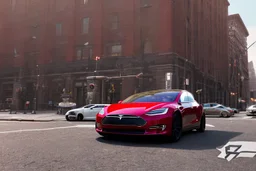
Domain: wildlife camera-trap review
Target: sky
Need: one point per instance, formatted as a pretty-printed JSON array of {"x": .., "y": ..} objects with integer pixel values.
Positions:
[{"x": 247, "y": 11}]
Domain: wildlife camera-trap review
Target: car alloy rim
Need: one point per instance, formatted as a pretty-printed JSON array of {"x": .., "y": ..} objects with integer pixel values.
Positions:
[{"x": 225, "y": 114}]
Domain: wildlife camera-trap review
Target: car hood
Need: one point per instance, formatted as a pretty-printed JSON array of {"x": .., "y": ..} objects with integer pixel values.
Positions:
[
  {"x": 134, "y": 108},
  {"x": 75, "y": 110}
]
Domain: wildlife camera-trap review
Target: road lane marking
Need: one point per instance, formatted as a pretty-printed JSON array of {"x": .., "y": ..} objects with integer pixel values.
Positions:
[
  {"x": 237, "y": 149},
  {"x": 209, "y": 125},
  {"x": 85, "y": 126},
  {"x": 247, "y": 117},
  {"x": 232, "y": 119},
  {"x": 46, "y": 129},
  {"x": 56, "y": 128}
]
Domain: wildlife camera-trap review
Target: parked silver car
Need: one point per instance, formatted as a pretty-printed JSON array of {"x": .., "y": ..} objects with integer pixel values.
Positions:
[
  {"x": 218, "y": 109},
  {"x": 251, "y": 110},
  {"x": 87, "y": 112}
]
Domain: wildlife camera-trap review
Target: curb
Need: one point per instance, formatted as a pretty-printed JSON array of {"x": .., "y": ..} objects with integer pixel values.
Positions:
[{"x": 30, "y": 120}]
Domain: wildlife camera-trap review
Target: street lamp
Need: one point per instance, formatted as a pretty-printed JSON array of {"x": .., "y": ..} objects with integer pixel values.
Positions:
[
  {"x": 199, "y": 92},
  {"x": 251, "y": 45},
  {"x": 186, "y": 80}
]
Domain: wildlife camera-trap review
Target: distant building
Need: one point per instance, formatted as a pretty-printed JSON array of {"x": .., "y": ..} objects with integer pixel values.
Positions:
[
  {"x": 51, "y": 45},
  {"x": 252, "y": 76},
  {"x": 238, "y": 62},
  {"x": 252, "y": 82}
]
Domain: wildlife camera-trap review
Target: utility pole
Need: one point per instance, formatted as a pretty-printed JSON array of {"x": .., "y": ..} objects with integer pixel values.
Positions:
[
  {"x": 142, "y": 41},
  {"x": 36, "y": 90}
]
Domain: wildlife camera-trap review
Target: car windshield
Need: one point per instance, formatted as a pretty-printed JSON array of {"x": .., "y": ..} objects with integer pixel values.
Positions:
[{"x": 164, "y": 97}]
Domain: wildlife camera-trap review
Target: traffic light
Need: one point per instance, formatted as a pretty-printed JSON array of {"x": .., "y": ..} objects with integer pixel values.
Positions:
[{"x": 92, "y": 86}]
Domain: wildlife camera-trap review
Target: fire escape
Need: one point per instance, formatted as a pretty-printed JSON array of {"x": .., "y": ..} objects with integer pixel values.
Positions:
[{"x": 238, "y": 65}]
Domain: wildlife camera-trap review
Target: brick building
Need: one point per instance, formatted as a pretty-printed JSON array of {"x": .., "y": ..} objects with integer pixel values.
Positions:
[
  {"x": 238, "y": 62},
  {"x": 51, "y": 45}
]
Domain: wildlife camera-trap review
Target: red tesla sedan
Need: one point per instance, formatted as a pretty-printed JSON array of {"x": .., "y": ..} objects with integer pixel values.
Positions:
[{"x": 158, "y": 112}]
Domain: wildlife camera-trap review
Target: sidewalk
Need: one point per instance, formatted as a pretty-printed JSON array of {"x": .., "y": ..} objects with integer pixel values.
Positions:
[{"x": 40, "y": 116}]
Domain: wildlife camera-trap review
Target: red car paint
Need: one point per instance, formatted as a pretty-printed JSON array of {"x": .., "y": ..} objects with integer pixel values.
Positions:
[{"x": 191, "y": 113}]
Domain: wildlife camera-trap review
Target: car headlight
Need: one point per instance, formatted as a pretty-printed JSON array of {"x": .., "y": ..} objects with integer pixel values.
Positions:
[
  {"x": 71, "y": 113},
  {"x": 161, "y": 111},
  {"x": 101, "y": 112}
]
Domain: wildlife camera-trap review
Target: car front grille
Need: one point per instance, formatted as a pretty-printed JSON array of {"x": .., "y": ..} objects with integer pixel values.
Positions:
[
  {"x": 123, "y": 120},
  {"x": 124, "y": 131}
]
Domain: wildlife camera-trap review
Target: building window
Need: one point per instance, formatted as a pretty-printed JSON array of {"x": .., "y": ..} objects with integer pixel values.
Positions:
[
  {"x": 78, "y": 54},
  {"x": 84, "y": 53},
  {"x": 13, "y": 3},
  {"x": 85, "y": 25},
  {"x": 58, "y": 29},
  {"x": 144, "y": 3},
  {"x": 85, "y": 2},
  {"x": 114, "y": 22},
  {"x": 87, "y": 53},
  {"x": 116, "y": 50},
  {"x": 147, "y": 47}
]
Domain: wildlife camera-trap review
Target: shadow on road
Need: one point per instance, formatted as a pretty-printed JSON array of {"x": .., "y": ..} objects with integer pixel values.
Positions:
[{"x": 193, "y": 140}]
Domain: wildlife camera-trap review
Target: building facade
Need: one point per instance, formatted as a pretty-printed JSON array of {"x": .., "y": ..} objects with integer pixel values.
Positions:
[
  {"x": 238, "y": 63},
  {"x": 252, "y": 82},
  {"x": 252, "y": 76},
  {"x": 52, "y": 45}
]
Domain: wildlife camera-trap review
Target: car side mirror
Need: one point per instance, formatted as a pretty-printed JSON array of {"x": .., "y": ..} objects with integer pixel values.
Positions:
[
  {"x": 120, "y": 101},
  {"x": 91, "y": 108},
  {"x": 179, "y": 103}
]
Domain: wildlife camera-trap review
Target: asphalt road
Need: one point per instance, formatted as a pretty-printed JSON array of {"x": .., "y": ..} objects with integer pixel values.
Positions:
[{"x": 75, "y": 146}]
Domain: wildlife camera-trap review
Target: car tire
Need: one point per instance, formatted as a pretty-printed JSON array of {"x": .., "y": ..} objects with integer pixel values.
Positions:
[
  {"x": 80, "y": 117},
  {"x": 202, "y": 124},
  {"x": 67, "y": 118},
  {"x": 176, "y": 127},
  {"x": 106, "y": 136},
  {"x": 225, "y": 114}
]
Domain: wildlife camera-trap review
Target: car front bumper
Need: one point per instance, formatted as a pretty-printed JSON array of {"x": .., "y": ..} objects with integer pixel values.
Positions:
[
  {"x": 153, "y": 125},
  {"x": 251, "y": 112},
  {"x": 71, "y": 116}
]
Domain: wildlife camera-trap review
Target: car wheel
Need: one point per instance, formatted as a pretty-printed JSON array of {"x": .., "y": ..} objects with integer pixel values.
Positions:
[
  {"x": 225, "y": 114},
  {"x": 67, "y": 118},
  {"x": 202, "y": 124},
  {"x": 176, "y": 127},
  {"x": 80, "y": 117},
  {"x": 106, "y": 136}
]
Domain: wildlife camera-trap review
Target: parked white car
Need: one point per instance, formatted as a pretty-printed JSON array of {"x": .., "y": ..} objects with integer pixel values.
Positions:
[
  {"x": 251, "y": 110},
  {"x": 87, "y": 112}
]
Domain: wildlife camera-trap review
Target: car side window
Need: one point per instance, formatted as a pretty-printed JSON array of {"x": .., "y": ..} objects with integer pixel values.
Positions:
[
  {"x": 88, "y": 106},
  {"x": 220, "y": 107},
  {"x": 99, "y": 106},
  {"x": 190, "y": 97},
  {"x": 184, "y": 98}
]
